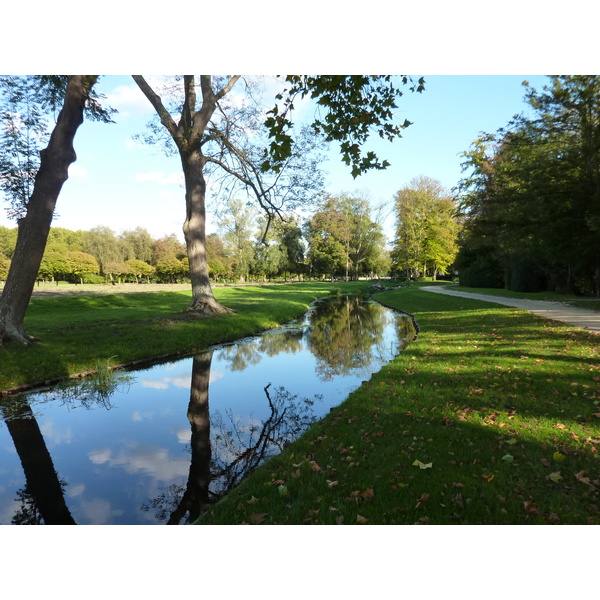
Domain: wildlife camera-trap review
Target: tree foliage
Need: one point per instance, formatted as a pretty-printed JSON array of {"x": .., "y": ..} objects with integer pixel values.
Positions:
[
  {"x": 343, "y": 239},
  {"x": 426, "y": 229},
  {"x": 353, "y": 107},
  {"x": 531, "y": 200}
]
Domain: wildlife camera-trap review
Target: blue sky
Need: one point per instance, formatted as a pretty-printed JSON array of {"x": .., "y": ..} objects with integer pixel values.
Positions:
[{"x": 122, "y": 185}]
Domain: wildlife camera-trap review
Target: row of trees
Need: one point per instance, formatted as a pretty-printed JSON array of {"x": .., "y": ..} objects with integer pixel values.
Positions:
[
  {"x": 213, "y": 133},
  {"x": 339, "y": 239},
  {"x": 531, "y": 199}
]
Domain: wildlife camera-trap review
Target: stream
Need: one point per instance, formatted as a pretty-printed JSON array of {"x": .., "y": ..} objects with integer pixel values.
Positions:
[{"x": 170, "y": 439}]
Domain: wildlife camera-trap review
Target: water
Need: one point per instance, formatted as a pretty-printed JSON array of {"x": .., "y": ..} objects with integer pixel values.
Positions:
[{"x": 181, "y": 434}]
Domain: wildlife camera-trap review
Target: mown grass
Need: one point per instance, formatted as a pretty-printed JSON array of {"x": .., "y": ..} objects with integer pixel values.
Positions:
[
  {"x": 76, "y": 332},
  {"x": 490, "y": 417}
]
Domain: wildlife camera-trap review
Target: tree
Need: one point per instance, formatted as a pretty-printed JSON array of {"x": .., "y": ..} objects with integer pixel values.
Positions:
[
  {"x": 4, "y": 266},
  {"x": 8, "y": 240},
  {"x": 23, "y": 135},
  {"x": 102, "y": 243},
  {"x": 139, "y": 268},
  {"x": 35, "y": 225},
  {"x": 531, "y": 203},
  {"x": 236, "y": 224},
  {"x": 353, "y": 106},
  {"x": 342, "y": 236},
  {"x": 137, "y": 244},
  {"x": 80, "y": 264},
  {"x": 426, "y": 229}
]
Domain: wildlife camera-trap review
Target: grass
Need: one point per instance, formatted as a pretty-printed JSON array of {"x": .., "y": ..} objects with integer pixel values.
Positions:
[
  {"x": 490, "y": 417},
  {"x": 77, "y": 331}
]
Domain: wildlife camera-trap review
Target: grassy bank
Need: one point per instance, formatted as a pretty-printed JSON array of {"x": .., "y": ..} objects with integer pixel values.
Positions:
[
  {"x": 491, "y": 416},
  {"x": 77, "y": 331}
]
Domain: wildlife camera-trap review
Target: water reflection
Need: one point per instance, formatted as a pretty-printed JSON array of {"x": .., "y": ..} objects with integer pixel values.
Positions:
[{"x": 134, "y": 456}]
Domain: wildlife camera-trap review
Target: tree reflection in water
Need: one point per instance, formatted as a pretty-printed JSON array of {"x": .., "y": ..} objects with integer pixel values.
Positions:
[
  {"x": 224, "y": 449},
  {"x": 345, "y": 335}
]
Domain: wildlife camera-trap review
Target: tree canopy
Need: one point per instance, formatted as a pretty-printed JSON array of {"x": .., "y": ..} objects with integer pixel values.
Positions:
[{"x": 531, "y": 200}]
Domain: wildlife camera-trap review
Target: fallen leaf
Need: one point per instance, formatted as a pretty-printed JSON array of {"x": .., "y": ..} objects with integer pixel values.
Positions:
[
  {"x": 252, "y": 500},
  {"x": 581, "y": 476},
  {"x": 559, "y": 426},
  {"x": 332, "y": 484},
  {"x": 283, "y": 491},
  {"x": 256, "y": 518},
  {"x": 488, "y": 478},
  {"x": 421, "y": 465},
  {"x": 556, "y": 476},
  {"x": 531, "y": 508},
  {"x": 315, "y": 467},
  {"x": 557, "y": 456},
  {"x": 424, "y": 497},
  {"x": 508, "y": 458},
  {"x": 361, "y": 519}
]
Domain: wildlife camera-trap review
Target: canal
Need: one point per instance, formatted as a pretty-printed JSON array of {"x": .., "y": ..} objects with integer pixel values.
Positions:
[{"x": 166, "y": 441}]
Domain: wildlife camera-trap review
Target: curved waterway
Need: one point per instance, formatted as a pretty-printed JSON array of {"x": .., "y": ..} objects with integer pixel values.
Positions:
[{"x": 179, "y": 435}]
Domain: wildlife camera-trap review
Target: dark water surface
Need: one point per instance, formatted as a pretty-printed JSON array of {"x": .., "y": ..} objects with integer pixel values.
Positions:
[{"x": 179, "y": 435}]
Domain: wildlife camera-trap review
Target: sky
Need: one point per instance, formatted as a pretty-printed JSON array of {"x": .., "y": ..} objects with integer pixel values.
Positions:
[{"x": 122, "y": 184}]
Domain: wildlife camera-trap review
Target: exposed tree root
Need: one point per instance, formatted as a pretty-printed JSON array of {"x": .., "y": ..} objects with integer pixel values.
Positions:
[
  {"x": 16, "y": 335},
  {"x": 206, "y": 305}
]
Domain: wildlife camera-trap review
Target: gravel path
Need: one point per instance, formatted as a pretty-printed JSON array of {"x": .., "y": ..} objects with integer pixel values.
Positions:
[{"x": 580, "y": 317}]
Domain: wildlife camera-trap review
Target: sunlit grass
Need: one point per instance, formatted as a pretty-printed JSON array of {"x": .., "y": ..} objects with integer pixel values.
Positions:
[
  {"x": 75, "y": 332},
  {"x": 490, "y": 417}
]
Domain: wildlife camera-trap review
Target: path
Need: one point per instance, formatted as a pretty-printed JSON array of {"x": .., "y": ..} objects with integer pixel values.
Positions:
[{"x": 580, "y": 317}]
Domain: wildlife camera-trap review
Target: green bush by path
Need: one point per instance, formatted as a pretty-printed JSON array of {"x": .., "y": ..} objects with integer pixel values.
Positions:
[{"x": 490, "y": 417}]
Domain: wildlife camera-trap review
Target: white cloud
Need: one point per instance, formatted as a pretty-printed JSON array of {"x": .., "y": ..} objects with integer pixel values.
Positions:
[
  {"x": 155, "y": 384},
  {"x": 148, "y": 459},
  {"x": 56, "y": 436},
  {"x": 184, "y": 435},
  {"x": 128, "y": 100},
  {"x": 97, "y": 511},
  {"x": 77, "y": 172},
  {"x": 75, "y": 490}
]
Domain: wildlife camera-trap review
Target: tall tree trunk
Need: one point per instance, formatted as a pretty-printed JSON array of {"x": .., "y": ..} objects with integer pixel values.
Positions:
[
  {"x": 34, "y": 227},
  {"x": 194, "y": 230}
]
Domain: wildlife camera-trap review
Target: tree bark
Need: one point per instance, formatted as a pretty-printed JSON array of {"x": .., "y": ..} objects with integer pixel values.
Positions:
[
  {"x": 194, "y": 230},
  {"x": 34, "y": 227}
]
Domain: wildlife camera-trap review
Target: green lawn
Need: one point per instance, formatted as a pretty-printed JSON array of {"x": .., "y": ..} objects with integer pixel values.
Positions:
[
  {"x": 76, "y": 332},
  {"x": 490, "y": 417}
]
